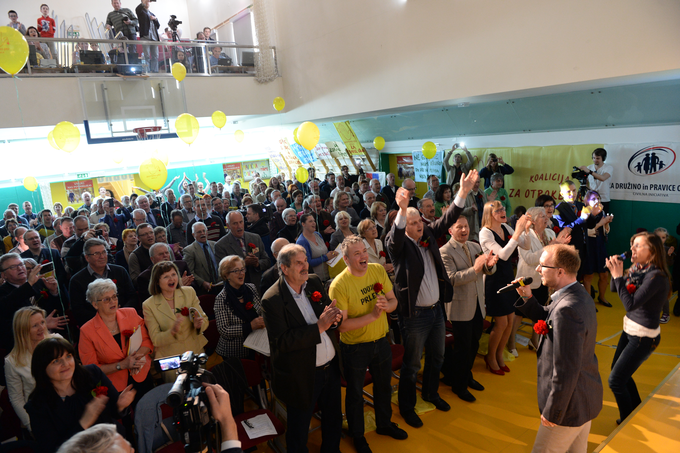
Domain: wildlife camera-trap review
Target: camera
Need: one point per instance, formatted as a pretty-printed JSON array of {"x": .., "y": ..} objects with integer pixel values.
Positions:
[
  {"x": 99, "y": 233},
  {"x": 188, "y": 399},
  {"x": 173, "y": 22},
  {"x": 579, "y": 175}
]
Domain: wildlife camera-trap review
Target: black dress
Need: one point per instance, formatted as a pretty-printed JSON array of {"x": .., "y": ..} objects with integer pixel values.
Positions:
[{"x": 500, "y": 304}]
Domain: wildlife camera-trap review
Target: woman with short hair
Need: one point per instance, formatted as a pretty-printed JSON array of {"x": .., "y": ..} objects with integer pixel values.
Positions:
[
  {"x": 291, "y": 231},
  {"x": 343, "y": 230},
  {"x": 369, "y": 233},
  {"x": 315, "y": 247},
  {"x": 343, "y": 202},
  {"x": 129, "y": 236}
]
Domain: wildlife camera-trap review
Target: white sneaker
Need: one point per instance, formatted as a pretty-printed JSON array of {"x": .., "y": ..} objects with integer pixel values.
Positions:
[{"x": 514, "y": 352}]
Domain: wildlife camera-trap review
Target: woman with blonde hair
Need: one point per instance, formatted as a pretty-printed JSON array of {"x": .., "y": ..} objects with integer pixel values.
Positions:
[
  {"x": 344, "y": 229},
  {"x": 29, "y": 329},
  {"x": 369, "y": 233},
  {"x": 379, "y": 216},
  {"x": 500, "y": 238},
  {"x": 343, "y": 202}
]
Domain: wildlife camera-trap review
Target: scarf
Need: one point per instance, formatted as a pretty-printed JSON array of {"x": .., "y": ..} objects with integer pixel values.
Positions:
[
  {"x": 636, "y": 274},
  {"x": 233, "y": 296}
]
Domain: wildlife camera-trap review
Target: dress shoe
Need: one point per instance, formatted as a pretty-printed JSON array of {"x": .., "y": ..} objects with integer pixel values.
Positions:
[
  {"x": 532, "y": 346},
  {"x": 505, "y": 368},
  {"x": 618, "y": 421},
  {"x": 440, "y": 404},
  {"x": 393, "y": 431},
  {"x": 474, "y": 385},
  {"x": 601, "y": 301},
  {"x": 465, "y": 395},
  {"x": 361, "y": 446},
  {"x": 498, "y": 372},
  {"x": 412, "y": 419}
]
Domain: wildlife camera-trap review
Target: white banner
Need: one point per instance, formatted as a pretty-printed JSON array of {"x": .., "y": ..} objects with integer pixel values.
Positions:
[
  {"x": 424, "y": 167},
  {"x": 645, "y": 172}
]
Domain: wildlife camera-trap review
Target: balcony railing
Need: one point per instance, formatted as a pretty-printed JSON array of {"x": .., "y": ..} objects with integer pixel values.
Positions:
[{"x": 85, "y": 57}]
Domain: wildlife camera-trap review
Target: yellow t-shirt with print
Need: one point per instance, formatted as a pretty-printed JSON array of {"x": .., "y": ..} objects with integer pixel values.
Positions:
[{"x": 356, "y": 295}]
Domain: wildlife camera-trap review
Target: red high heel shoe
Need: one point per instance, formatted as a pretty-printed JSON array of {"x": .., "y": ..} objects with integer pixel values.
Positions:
[
  {"x": 499, "y": 372},
  {"x": 505, "y": 368}
]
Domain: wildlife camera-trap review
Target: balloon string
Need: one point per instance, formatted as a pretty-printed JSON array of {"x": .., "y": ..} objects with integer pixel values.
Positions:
[{"x": 21, "y": 113}]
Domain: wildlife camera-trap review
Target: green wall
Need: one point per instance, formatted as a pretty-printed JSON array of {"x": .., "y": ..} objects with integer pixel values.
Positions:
[
  {"x": 631, "y": 215},
  {"x": 18, "y": 195}
]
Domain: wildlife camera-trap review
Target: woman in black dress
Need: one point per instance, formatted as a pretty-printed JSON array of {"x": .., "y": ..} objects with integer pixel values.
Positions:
[
  {"x": 500, "y": 238},
  {"x": 68, "y": 397}
]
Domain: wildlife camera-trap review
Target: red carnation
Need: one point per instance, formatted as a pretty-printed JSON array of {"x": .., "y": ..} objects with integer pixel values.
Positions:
[
  {"x": 213, "y": 224},
  {"x": 541, "y": 328},
  {"x": 127, "y": 333},
  {"x": 328, "y": 245},
  {"x": 556, "y": 229},
  {"x": 251, "y": 245},
  {"x": 249, "y": 305},
  {"x": 316, "y": 296},
  {"x": 100, "y": 390},
  {"x": 425, "y": 243},
  {"x": 45, "y": 262},
  {"x": 115, "y": 220},
  {"x": 503, "y": 198},
  {"x": 382, "y": 254},
  {"x": 44, "y": 294},
  {"x": 326, "y": 223},
  {"x": 114, "y": 281},
  {"x": 479, "y": 195},
  {"x": 631, "y": 288},
  {"x": 378, "y": 287},
  {"x": 184, "y": 311}
]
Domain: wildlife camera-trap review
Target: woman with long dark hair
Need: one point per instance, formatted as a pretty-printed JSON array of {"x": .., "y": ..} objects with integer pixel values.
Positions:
[
  {"x": 643, "y": 289},
  {"x": 69, "y": 397},
  {"x": 597, "y": 248}
]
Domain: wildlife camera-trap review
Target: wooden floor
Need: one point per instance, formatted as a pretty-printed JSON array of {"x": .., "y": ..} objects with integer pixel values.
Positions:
[{"x": 505, "y": 416}]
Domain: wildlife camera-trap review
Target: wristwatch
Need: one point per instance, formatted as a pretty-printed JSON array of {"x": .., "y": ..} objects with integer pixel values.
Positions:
[{"x": 118, "y": 366}]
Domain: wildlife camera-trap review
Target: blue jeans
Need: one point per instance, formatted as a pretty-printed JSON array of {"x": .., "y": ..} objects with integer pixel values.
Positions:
[
  {"x": 631, "y": 352},
  {"x": 425, "y": 329},
  {"x": 356, "y": 358}
]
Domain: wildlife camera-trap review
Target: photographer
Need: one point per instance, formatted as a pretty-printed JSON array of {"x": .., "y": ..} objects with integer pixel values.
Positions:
[
  {"x": 494, "y": 165},
  {"x": 598, "y": 174},
  {"x": 123, "y": 20}
]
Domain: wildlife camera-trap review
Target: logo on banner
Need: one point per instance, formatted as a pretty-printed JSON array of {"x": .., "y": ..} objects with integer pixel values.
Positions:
[{"x": 651, "y": 160}]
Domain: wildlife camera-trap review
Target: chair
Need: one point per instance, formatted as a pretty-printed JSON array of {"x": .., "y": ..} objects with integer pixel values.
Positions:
[
  {"x": 207, "y": 302},
  {"x": 246, "y": 442},
  {"x": 10, "y": 425},
  {"x": 213, "y": 336}
]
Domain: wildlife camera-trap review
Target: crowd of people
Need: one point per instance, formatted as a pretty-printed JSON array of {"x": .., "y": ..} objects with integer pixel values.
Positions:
[
  {"x": 336, "y": 271},
  {"x": 123, "y": 23}
]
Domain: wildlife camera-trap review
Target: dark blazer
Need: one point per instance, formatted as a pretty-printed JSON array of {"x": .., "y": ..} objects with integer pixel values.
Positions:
[
  {"x": 117, "y": 223},
  {"x": 121, "y": 261},
  {"x": 229, "y": 245},
  {"x": 145, "y": 23},
  {"x": 82, "y": 310},
  {"x": 292, "y": 342},
  {"x": 569, "y": 384},
  {"x": 408, "y": 263},
  {"x": 158, "y": 217},
  {"x": 145, "y": 277},
  {"x": 275, "y": 225},
  {"x": 412, "y": 203},
  {"x": 269, "y": 278},
  {"x": 566, "y": 217}
]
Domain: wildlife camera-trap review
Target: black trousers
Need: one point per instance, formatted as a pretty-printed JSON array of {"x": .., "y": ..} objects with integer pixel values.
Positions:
[{"x": 458, "y": 361}]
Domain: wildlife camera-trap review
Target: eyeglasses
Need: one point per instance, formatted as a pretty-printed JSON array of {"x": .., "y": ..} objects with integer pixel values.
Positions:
[
  {"x": 496, "y": 211},
  {"x": 543, "y": 266},
  {"x": 238, "y": 271},
  {"x": 549, "y": 206},
  {"x": 13, "y": 267},
  {"x": 97, "y": 254},
  {"x": 411, "y": 190},
  {"x": 106, "y": 300}
]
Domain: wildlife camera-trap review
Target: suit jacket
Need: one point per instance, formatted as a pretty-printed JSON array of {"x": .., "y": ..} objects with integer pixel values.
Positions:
[
  {"x": 158, "y": 217},
  {"x": 138, "y": 261},
  {"x": 229, "y": 245},
  {"x": 97, "y": 345},
  {"x": 408, "y": 262},
  {"x": 159, "y": 319},
  {"x": 468, "y": 285},
  {"x": 569, "y": 384},
  {"x": 269, "y": 278},
  {"x": 275, "y": 225},
  {"x": 82, "y": 310},
  {"x": 198, "y": 266},
  {"x": 145, "y": 23},
  {"x": 293, "y": 342},
  {"x": 144, "y": 278},
  {"x": 566, "y": 217},
  {"x": 117, "y": 223}
]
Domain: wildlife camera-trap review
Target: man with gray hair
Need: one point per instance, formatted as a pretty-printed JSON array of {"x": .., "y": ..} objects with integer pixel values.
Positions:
[
  {"x": 138, "y": 217},
  {"x": 158, "y": 253},
  {"x": 153, "y": 216},
  {"x": 364, "y": 296},
  {"x": 271, "y": 275},
  {"x": 433, "y": 185},
  {"x": 201, "y": 260},
  {"x": 305, "y": 358},
  {"x": 409, "y": 186},
  {"x": 139, "y": 259},
  {"x": 87, "y": 201},
  {"x": 97, "y": 267},
  {"x": 276, "y": 222},
  {"x": 18, "y": 235},
  {"x": 187, "y": 208},
  {"x": 369, "y": 199}
]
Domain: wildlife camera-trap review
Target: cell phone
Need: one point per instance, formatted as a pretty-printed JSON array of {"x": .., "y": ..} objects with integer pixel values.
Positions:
[
  {"x": 47, "y": 267},
  {"x": 167, "y": 363}
]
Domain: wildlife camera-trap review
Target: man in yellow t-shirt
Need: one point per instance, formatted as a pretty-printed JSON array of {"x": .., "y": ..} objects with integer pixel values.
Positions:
[{"x": 363, "y": 293}]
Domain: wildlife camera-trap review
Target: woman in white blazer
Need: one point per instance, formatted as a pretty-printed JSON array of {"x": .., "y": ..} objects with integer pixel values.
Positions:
[
  {"x": 369, "y": 233},
  {"x": 539, "y": 236}
]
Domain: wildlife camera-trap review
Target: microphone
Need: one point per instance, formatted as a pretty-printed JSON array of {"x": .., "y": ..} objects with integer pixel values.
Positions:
[
  {"x": 523, "y": 281},
  {"x": 624, "y": 256}
]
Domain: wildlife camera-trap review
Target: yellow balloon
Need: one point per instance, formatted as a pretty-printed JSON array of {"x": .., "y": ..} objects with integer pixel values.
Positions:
[
  {"x": 301, "y": 174},
  {"x": 295, "y": 136},
  {"x": 179, "y": 72},
  {"x": 13, "y": 50},
  {"x": 50, "y": 138},
  {"x": 117, "y": 157},
  {"x": 379, "y": 143},
  {"x": 279, "y": 103},
  {"x": 429, "y": 150},
  {"x": 219, "y": 119},
  {"x": 153, "y": 173},
  {"x": 66, "y": 136},
  {"x": 308, "y": 135},
  {"x": 239, "y": 135},
  {"x": 30, "y": 183},
  {"x": 187, "y": 127}
]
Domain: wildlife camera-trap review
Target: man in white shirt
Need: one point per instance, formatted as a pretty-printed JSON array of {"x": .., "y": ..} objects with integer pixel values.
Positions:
[{"x": 598, "y": 175}]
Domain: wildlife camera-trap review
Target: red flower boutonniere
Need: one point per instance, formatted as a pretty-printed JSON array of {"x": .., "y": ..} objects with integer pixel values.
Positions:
[
  {"x": 115, "y": 282},
  {"x": 253, "y": 247},
  {"x": 542, "y": 328},
  {"x": 556, "y": 229},
  {"x": 425, "y": 243},
  {"x": 99, "y": 390},
  {"x": 378, "y": 288},
  {"x": 213, "y": 224},
  {"x": 45, "y": 262},
  {"x": 631, "y": 288},
  {"x": 326, "y": 223},
  {"x": 43, "y": 295},
  {"x": 316, "y": 296},
  {"x": 127, "y": 333},
  {"x": 503, "y": 198},
  {"x": 249, "y": 305},
  {"x": 328, "y": 245},
  {"x": 115, "y": 220},
  {"x": 184, "y": 311},
  {"x": 382, "y": 254},
  {"x": 479, "y": 195}
]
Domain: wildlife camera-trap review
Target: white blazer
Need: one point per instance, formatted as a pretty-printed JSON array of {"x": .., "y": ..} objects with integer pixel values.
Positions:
[{"x": 529, "y": 259}]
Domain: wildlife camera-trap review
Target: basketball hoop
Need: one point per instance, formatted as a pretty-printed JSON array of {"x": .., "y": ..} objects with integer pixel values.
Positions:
[{"x": 143, "y": 132}]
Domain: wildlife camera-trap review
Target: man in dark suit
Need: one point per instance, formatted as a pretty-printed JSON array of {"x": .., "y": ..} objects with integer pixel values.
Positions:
[
  {"x": 116, "y": 222},
  {"x": 422, "y": 287},
  {"x": 97, "y": 267},
  {"x": 239, "y": 242},
  {"x": 305, "y": 357},
  {"x": 272, "y": 274},
  {"x": 569, "y": 384},
  {"x": 390, "y": 190},
  {"x": 201, "y": 260},
  {"x": 465, "y": 266},
  {"x": 327, "y": 186},
  {"x": 153, "y": 216},
  {"x": 160, "y": 252},
  {"x": 569, "y": 213},
  {"x": 410, "y": 186},
  {"x": 139, "y": 259}
]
